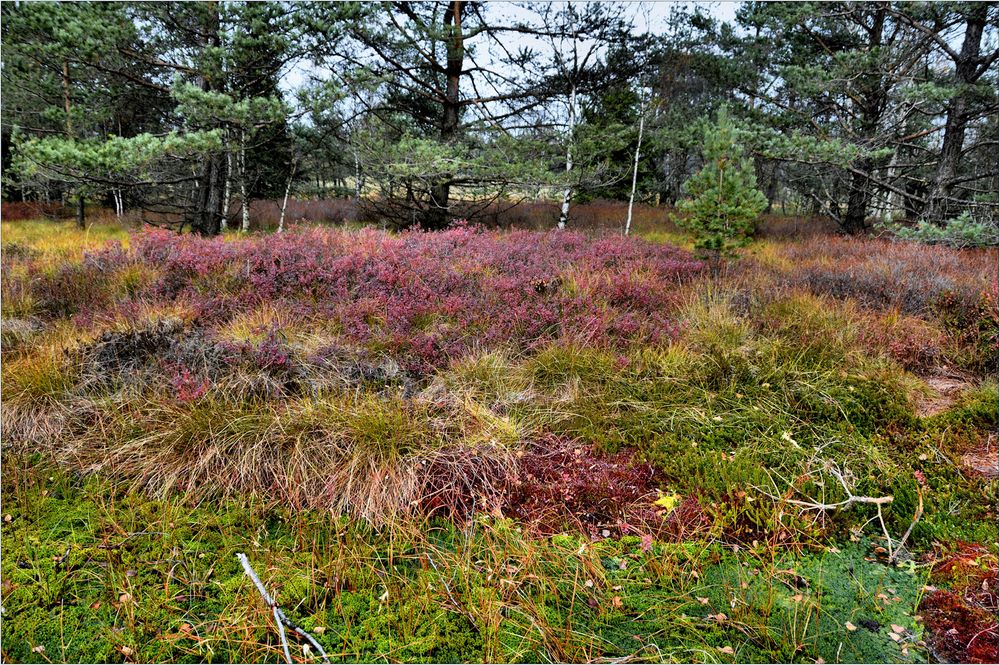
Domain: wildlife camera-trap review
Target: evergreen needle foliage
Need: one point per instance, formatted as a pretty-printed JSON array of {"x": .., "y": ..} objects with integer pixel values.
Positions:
[{"x": 725, "y": 202}]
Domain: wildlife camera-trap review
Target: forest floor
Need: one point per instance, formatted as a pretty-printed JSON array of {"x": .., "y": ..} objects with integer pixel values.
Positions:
[{"x": 496, "y": 446}]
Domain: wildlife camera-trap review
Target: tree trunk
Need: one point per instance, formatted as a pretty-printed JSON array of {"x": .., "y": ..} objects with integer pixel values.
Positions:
[
  {"x": 81, "y": 221},
  {"x": 358, "y": 182},
  {"x": 284, "y": 202},
  {"x": 966, "y": 72},
  {"x": 207, "y": 217},
  {"x": 860, "y": 192},
  {"x": 857, "y": 200},
  {"x": 772, "y": 189},
  {"x": 635, "y": 166},
  {"x": 568, "y": 192},
  {"x": 227, "y": 196},
  {"x": 244, "y": 203},
  {"x": 437, "y": 215}
]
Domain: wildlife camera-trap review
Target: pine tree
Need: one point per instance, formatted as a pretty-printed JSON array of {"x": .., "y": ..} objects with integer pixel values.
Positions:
[{"x": 725, "y": 202}]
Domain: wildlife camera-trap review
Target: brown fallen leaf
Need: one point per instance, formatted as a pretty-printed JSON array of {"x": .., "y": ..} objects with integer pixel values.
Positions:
[
  {"x": 96, "y": 605},
  {"x": 703, "y": 601},
  {"x": 898, "y": 629},
  {"x": 727, "y": 650},
  {"x": 125, "y": 597},
  {"x": 895, "y": 637},
  {"x": 850, "y": 626},
  {"x": 617, "y": 601}
]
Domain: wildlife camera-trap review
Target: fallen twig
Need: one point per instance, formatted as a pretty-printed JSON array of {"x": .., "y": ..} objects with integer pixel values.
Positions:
[
  {"x": 916, "y": 518},
  {"x": 879, "y": 501},
  {"x": 454, "y": 601},
  {"x": 279, "y": 616}
]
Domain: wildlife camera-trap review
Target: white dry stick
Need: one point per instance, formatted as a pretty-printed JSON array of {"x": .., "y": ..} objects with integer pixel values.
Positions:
[
  {"x": 894, "y": 549},
  {"x": 281, "y": 632},
  {"x": 279, "y": 616},
  {"x": 458, "y": 606}
]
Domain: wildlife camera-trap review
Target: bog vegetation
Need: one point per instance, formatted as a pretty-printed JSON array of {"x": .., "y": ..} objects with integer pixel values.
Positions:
[{"x": 488, "y": 395}]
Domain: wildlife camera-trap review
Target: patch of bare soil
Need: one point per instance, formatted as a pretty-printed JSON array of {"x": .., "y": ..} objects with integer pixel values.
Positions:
[
  {"x": 946, "y": 391},
  {"x": 983, "y": 459}
]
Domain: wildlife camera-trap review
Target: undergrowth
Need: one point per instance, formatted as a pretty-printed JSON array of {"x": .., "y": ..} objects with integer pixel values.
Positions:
[{"x": 479, "y": 446}]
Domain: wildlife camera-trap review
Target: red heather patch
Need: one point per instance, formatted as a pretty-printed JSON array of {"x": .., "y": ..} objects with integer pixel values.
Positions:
[
  {"x": 563, "y": 484},
  {"x": 962, "y": 625},
  {"x": 424, "y": 298}
]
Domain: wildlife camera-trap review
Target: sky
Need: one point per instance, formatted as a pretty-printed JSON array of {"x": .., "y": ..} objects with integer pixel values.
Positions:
[{"x": 659, "y": 10}]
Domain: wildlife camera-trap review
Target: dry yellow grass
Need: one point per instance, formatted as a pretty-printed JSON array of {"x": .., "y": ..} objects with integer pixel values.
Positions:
[{"x": 60, "y": 238}]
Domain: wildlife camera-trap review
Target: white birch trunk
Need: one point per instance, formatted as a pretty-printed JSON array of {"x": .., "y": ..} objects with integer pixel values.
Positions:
[
  {"x": 358, "y": 183},
  {"x": 244, "y": 204},
  {"x": 635, "y": 166},
  {"x": 568, "y": 192},
  {"x": 227, "y": 195},
  {"x": 284, "y": 202}
]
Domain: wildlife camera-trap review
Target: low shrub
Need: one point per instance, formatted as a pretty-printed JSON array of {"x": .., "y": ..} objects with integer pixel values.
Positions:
[
  {"x": 973, "y": 325},
  {"x": 961, "y": 232},
  {"x": 562, "y": 484},
  {"x": 961, "y": 620},
  {"x": 423, "y": 297},
  {"x": 880, "y": 274},
  {"x": 12, "y": 211}
]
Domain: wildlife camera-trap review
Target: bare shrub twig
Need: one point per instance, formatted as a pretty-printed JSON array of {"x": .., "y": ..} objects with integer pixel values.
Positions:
[{"x": 279, "y": 616}]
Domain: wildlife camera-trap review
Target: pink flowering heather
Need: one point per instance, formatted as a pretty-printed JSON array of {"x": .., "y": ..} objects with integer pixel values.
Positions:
[{"x": 422, "y": 297}]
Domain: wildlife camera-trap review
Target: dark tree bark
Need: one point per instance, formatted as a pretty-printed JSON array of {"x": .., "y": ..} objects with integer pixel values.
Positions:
[
  {"x": 81, "y": 220},
  {"x": 860, "y": 193},
  {"x": 968, "y": 69},
  {"x": 207, "y": 217},
  {"x": 437, "y": 215},
  {"x": 858, "y": 198}
]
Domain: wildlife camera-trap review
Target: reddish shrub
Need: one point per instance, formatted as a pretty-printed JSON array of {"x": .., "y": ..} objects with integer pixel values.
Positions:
[
  {"x": 973, "y": 325},
  {"x": 423, "y": 297},
  {"x": 265, "y": 214},
  {"x": 961, "y": 622},
  {"x": 562, "y": 484},
  {"x": 881, "y": 274},
  {"x": 12, "y": 211},
  {"x": 597, "y": 217},
  {"x": 915, "y": 345},
  {"x": 187, "y": 388}
]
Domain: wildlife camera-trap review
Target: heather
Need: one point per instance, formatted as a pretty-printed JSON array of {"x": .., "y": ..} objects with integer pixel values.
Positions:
[
  {"x": 423, "y": 298},
  {"x": 506, "y": 446}
]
